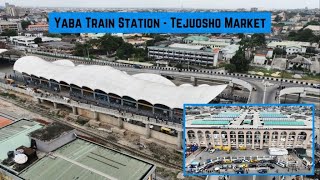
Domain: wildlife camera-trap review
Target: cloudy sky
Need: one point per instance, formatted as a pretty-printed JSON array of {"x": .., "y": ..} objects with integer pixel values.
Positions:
[{"x": 214, "y": 4}]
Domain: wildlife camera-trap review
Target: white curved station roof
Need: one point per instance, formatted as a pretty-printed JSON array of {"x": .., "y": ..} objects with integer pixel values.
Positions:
[
  {"x": 110, "y": 80},
  {"x": 154, "y": 78},
  {"x": 64, "y": 62}
]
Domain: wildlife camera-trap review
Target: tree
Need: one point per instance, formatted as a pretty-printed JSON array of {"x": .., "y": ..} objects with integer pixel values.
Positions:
[
  {"x": 231, "y": 68},
  {"x": 83, "y": 50},
  {"x": 277, "y": 18},
  {"x": 9, "y": 32},
  {"x": 37, "y": 40},
  {"x": 258, "y": 40},
  {"x": 110, "y": 44},
  {"x": 239, "y": 61},
  {"x": 125, "y": 51},
  {"x": 279, "y": 51},
  {"x": 25, "y": 24},
  {"x": 305, "y": 35}
]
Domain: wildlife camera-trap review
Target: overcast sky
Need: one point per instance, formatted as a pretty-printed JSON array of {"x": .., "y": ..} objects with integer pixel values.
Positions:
[{"x": 214, "y": 4}]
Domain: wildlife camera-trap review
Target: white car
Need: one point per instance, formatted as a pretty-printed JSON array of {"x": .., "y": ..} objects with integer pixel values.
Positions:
[
  {"x": 316, "y": 86},
  {"x": 212, "y": 150},
  {"x": 281, "y": 164}
]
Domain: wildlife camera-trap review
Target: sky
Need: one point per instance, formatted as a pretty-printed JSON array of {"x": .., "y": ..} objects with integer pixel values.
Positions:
[{"x": 213, "y": 4}]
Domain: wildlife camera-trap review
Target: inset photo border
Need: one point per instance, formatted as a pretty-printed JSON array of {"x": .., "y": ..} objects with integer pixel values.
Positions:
[{"x": 248, "y": 139}]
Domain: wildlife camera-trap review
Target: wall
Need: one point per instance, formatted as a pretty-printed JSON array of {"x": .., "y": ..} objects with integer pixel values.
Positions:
[
  {"x": 50, "y": 146},
  {"x": 106, "y": 119},
  {"x": 86, "y": 113},
  {"x": 164, "y": 137},
  {"x": 134, "y": 128}
]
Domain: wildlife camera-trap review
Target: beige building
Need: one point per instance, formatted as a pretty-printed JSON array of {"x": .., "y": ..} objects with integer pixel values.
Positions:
[{"x": 251, "y": 129}]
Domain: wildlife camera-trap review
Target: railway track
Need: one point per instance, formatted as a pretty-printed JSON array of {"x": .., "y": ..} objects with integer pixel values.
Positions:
[{"x": 97, "y": 138}]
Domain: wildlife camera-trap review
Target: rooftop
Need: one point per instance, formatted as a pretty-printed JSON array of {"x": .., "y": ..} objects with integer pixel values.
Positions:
[
  {"x": 249, "y": 119},
  {"x": 111, "y": 80},
  {"x": 4, "y": 121},
  {"x": 50, "y": 132},
  {"x": 15, "y": 135},
  {"x": 81, "y": 159},
  {"x": 196, "y": 38}
]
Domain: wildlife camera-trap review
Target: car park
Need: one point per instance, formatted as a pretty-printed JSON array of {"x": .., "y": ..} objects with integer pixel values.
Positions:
[{"x": 262, "y": 171}]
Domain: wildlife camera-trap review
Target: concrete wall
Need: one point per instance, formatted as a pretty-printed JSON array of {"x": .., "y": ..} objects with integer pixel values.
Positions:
[
  {"x": 106, "y": 119},
  {"x": 164, "y": 137},
  {"x": 51, "y": 146},
  {"x": 86, "y": 113},
  {"x": 134, "y": 128}
]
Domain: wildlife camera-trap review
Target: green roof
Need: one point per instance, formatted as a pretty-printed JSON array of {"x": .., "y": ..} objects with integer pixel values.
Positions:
[
  {"x": 283, "y": 123},
  {"x": 81, "y": 160},
  {"x": 206, "y": 122},
  {"x": 16, "y": 135},
  {"x": 197, "y": 38}
]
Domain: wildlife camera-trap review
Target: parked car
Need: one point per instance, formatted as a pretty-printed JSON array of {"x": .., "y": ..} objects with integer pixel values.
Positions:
[
  {"x": 271, "y": 166},
  {"x": 281, "y": 164},
  {"x": 237, "y": 161},
  {"x": 273, "y": 161},
  {"x": 217, "y": 162},
  {"x": 262, "y": 165},
  {"x": 208, "y": 161},
  {"x": 262, "y": 161},
  {"x": 245, "y": 160},
  {"x": 254, "y": 161},
  {"x": 262, "y": 171},
  {"x": 227, "y": 161},
  {"x": 212, "y": 151},
  {"x": 316, "y": 86},
  {"x": 252, "y": 165},
  {"x": 239, "y": 171}
]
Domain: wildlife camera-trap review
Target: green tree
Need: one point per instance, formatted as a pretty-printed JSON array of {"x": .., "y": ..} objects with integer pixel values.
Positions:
[
  {"x": 9, "y": 32},
  {"x": 125, "y": 51},
  {"x": 258, "y": 40},
  {"x": 109, "y": 44},
  {"x": 231, "y": 68},
  {"x": 239, "y": 61},
  {"x": 37, "y": 40},
  {"x": 83, "y": 50},
  {"x": 25, "y": 24},
  {"x": 305, "y": 35},
  {"x": 279, "y": 51},
  {"x": 277, "y": 18}
]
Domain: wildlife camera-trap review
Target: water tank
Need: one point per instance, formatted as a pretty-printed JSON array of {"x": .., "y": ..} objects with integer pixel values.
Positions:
[{"x": 10, "y": 154}]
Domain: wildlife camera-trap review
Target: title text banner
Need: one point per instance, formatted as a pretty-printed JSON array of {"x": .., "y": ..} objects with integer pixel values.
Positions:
[{"x": 153, "y": 22}]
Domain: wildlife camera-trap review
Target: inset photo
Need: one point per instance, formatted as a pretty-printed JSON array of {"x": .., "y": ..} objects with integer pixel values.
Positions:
[{"x": 242, "y": 139}]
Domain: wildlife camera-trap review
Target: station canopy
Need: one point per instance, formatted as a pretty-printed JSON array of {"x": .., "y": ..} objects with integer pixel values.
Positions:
[{"x": 111, "y": 80}]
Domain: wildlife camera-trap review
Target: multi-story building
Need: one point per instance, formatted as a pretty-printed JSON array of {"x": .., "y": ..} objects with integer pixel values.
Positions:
[
  {"x": 250, "y": 129},
  {"x": 292, "y": 47},
  {"x": 10, "y": 25},
  {"x": 38, "y": 27},
  {"x": 11, "y": 10},
  {"x": 183, "y": 53},
  {"x": 315, "y": 29}
]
